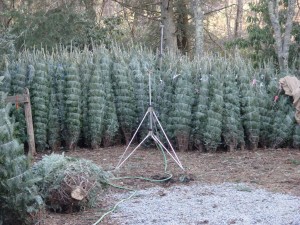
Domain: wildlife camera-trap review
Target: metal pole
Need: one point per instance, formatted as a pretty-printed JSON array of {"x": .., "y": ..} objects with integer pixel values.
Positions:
[{"x": 161, "y": 44}]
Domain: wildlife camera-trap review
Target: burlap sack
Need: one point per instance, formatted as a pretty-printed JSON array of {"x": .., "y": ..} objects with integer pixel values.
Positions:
[{"x": 291, "y": 87}]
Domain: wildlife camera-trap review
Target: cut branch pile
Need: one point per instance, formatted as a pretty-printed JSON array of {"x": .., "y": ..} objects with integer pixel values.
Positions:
[{"x": 69, "y": 184}]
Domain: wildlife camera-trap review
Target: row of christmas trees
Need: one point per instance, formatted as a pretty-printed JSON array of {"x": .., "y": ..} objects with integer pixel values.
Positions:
[{"x": 95, "y": 98}]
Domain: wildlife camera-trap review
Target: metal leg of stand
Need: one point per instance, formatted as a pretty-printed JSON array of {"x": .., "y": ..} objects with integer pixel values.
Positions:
[
  {"x": 121, "y": 163},
  {"x": 156, "y": 139},
  {"x": 166, "y": 137},
  {"x": 132, "y": 138}
]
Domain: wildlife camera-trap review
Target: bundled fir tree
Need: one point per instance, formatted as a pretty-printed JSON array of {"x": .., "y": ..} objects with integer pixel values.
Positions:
[
  {"x": 18, "y": 83},
  {"x": 53, "y": 127},
  {"x": 96, "y": 105},
  {"x": 110, "y": 123},
  {"x": 85, "y": 68},
  {"x": 60, "y": 94},
  {"x": 72, "y": 105},
  {"x": 249, "y": 104},
  {"x": 124, "y": 94},
  {"x": 265, "y": 108},
  {"x": 19, "y": 200},
  {"x": 213, "y": 131},
  {"x": 168, "y": 74},
  {"x": 4, "y": 71},
  {"x": 296, "y": 136},
  {"x": 40, "y": 101},
  {"x": 182, "y": 110},
  {"x": 283, "y": 122},
  {"x": 232, "y": 133},
  {"x": 30, "y": 73},
  {"x": 140, "y": 89},
  {"x": 199, "y": 116}
]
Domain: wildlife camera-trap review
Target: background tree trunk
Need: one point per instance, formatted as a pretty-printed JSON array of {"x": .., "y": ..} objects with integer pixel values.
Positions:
[
  {"x": 167, "y": 17},
  {"x": 239, "y": 18},
  {"x": 183, "y": 24},
  {"x": 228, "y": 19},
  {"x": 282, "y": 40},
  {"x": 199, "y": 31}
]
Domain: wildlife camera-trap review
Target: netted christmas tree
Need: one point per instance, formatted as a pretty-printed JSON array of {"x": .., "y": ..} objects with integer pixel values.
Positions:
[
  {"x": 232, "y": 133},
  {"x": 110, "y": 120},
  {"x": 213, "y": 131},
  {"x": 296, "y": 136},
  {"x": 18, "y": 84},
  {"x": 182, "y": 106},
  {"x": 124, "y": 94},
  {"x": 96, "y": 105},
  {"x": 140, "y": 90},
  {"x": 85, "y": 69},
  {"x": 60, "y": 94},
  {"x": 249, "y": 103},
  {"x": 30, "y": 73},
  {"x": 199, "y": 116},
  {"x": 19, "y": 199},
  {"x": 53, "y": 127},
  {"x": 40, "y": 101},
  {"x": 72, "y": 104},
  {"x": 168, "y": 75},
  {"x": 283, "y": 122},
  {"x": 4, "y": 71},
  {"x": 266, "y": 102}
]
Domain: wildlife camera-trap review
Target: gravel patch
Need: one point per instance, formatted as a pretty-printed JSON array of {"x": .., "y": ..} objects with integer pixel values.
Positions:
[{"x": 197, "y": 204}]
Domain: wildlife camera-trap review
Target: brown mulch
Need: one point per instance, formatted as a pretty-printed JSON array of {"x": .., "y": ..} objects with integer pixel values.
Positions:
[{"x": 274, "y": 170}]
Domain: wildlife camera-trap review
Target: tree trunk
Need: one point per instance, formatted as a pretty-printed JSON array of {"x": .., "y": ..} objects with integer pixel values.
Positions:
[
  {"x": 183, "y": 23},
  {"x": 239, "y": 19},
  {"x": 89, "y": 5},
  {"x": 167, "y": 17},
  {"x": 282, "y": 40},
  {"x": 199, "y": 31},
  {"x": 228, "y": 18}
]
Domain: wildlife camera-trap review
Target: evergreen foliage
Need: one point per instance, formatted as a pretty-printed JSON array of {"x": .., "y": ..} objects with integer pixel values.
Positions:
[
  {"x": 232, "y": 116},
  {"x": 100, "y": 96},
  {"x": 249, "y": 105},
  {"x": 296, "y": 137},
  {"x": 183, "y": 100},
  {"x": 213, "y": 131},
  {"x": 96, "y": 105},
  {"x": 60, "y": 94},
  {"x": 266, "y": 102},
  {"x": 201, "y": 82},
  {"x": 72, "y": 105},
  {"x": 61, "y": 176},
  {"x": 124, "y": 94},
  {"x": 86, "y": 69},
  {"x": 19, "y": 200},
  {"x": 53, "y": 127},
  {"x": 40, "y": 101},
  {"x": 4, "y": 71},
  {"x": 140, "y": 90},
  {"x": 283, "y": 122},
  {"x": 110, "y": 120}
]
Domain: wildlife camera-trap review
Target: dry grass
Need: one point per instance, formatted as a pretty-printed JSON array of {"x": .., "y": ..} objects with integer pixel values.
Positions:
[{"x": 275, "y": 170}]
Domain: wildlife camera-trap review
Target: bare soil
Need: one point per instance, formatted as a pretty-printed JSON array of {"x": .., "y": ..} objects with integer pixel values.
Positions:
[{"x": 274, "y": 170}]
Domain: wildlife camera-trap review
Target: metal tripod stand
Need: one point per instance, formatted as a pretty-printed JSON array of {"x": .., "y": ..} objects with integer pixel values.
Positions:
[{"x": 152, "y": 119}]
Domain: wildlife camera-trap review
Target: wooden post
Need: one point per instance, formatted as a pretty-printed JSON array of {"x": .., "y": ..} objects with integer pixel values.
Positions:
[{"x": 25, "y": 98}]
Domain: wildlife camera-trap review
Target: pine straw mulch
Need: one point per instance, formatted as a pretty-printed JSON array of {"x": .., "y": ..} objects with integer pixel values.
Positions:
[{"x": 275, "y": 170}]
